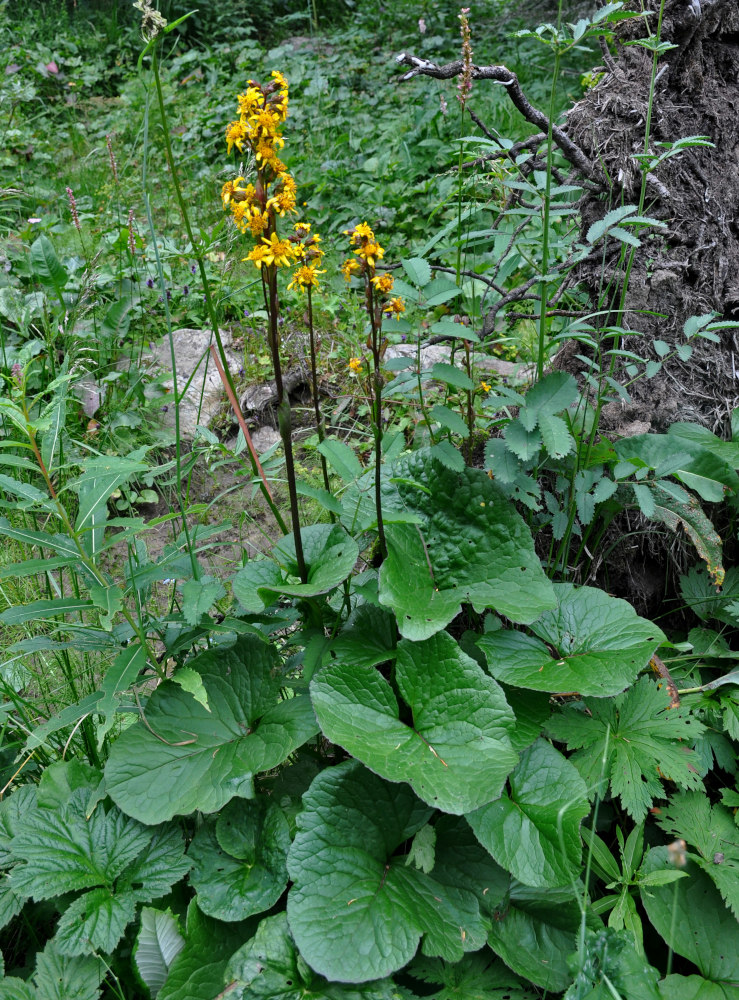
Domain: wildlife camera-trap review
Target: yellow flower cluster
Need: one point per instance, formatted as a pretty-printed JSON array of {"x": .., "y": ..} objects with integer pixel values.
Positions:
[
  {"x": 367, "y": 252},
  {"x": 309, "y": 255},
  {"x": 262, "y": 111}
]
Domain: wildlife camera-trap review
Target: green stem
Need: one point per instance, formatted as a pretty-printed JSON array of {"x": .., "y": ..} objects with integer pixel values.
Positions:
[
  {"x": 377, "y": 415},
  {"x": 314, "y": 389},
  {"x": 541, "y": 347}
]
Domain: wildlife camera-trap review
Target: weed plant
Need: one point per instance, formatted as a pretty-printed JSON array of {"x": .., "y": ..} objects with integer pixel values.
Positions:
[{"x": 398, "y": 755}]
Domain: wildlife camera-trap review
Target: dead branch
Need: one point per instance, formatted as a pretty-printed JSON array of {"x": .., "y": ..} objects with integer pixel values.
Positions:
[{"x": 502, "y": 75}]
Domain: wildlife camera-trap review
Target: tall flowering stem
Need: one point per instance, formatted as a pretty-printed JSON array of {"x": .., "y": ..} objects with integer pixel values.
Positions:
[
  {"x": 377, "y": 288},
  {"x": 464, "y": 86},
  {"x": 255, "y": 209}
]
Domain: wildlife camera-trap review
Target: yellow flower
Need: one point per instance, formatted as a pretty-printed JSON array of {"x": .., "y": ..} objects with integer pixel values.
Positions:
[
  {"x": 236, "y": 136},
  {"x": 232, "y": 189},
  {"x": 305, "y": 277},
  {"x": 394, "y": 307},
  {"x": 370, "y": 251},
  {"x": 301, "y": 225},
  {"x": 360, "y": 232},
  {"x": 279, "y": 79},
  {"x": 258, "y": 222},
  {"x": 283, "y": 201},
  {"x": 350, "y": 267},
  {"x": 485, "y": 386},
  {"x": 279, "y": 252},
  {"x": 383, "y": 282},
  {"x": 251, "y": 101},
  {"x": 355, "y": 365},
  {"x": 258, "y": 255}
]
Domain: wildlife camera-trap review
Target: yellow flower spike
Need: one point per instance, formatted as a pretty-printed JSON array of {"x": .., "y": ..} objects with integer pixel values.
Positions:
[
  {"x": 383, "y": 282},
  {"x": 355, "y": 365},
  {"x": 394, "y": 307},
  {"x": 235, "y": 136},
  {"x": 360, "y": 232}
]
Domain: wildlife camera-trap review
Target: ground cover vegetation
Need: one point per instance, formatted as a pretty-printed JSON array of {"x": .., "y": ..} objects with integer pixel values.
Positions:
[{"x": 409, "y": 743}]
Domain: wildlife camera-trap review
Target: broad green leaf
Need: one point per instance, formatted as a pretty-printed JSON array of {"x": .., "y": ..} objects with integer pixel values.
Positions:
[
  {"x": 447, "y": 328},
  {"x": 449, "y": 456},
  {"x": 535, "y": 832},
  {"x": 455, "y": 755},
  {"x": 12, "y": 988},
  {"x": 356, "y": 911},
  {"x": 269, "y": 966},
  {"x": 552, "y": 394},
  {"x": 451, "y": 375},
  {"x": 330, "y": 555},
  {"x": 525, "y": 444},
  {"x": 418, "y": 270},
  {"x": 117, "y": 319},
  {"x": 690, "y": 916},
  {"x": 158, "y": 943},
  {"x": 461, "y": 861},
  {"x": 95, "y": 921},
  {"x": 239, "y": 862},
  {"x": 536, "y": 932},
  {"x": 695, "y": 988},
  {"x": 368, "y": 637},
  {"x": 477, "y": 977},
  {"x": 634, "y": 741},
  {"x": 472, "y": 546},
  {"x": 590, "y": 643},
  {"x": 196, "y": 973},
  {"x": 712, "y": 832},
  {"x": 46, "y": 265},
  {"x": 199, "y": 596},
  {"x": 187, "y": 757},
  {"x": 342, "y": 459},
  {"x": 450, "y": 419}
]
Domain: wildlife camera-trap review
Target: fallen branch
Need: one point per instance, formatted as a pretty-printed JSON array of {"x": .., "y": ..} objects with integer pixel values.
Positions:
[{"x": 502, "y": 75}]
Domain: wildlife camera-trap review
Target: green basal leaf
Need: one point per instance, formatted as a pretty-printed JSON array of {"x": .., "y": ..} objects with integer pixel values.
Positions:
[
  {"x": 690, "y": 916},
  {"x": 477, "y": 977},
  {"x": 356, "y": 910},
  {"x": 330, "y": 555},
  {"x": 536, "y": 932},
  {"x": 535, "y": 832},
  {"x": 712, "y": 832},
  {"x": 456, "y": 754},
  {"x": 368, "y": 638},
  {"x": 590, "y": 643},
  {"x": 196, "y": 973},
  {"x": 695, "y": 988},
  {"x": 239, "y": 862},
  {"x": 633, "y": 741},
  {"x": 269, "y": 966},
  {"x": 46, "y": 265},
  {"x": 471, "y": 546},
  {"x": 158, "y": 943},
  {"x": 186, "y": 756},
  {"x": 418, "y": 270}
]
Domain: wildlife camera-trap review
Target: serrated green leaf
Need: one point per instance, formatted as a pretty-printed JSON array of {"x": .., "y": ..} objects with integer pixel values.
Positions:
[
  {"x": 477, "y": 977},
  {"x": 601, "y": 226},
  {"x": 423, "y": 850},
  {"x": 199, "y": 596},
  {"x": 158, "y": 943},
  {"x": 552, "y": 394},
  {"x": 342, "y": 459},
  {"x": 355, "y": 910},
  {"x": 239, "y": 861},
  {"x": 590, "y": 643},
  {"x": 555, "y": 435},
  {"x": 59, "y": 977},
  {"x": 634, "y": 740},
  {"x": 457, "y": 753},
  {"x": 200, "y": 759},
  {"x": 448, "y": 455},
  {"x": 523, "y": 443},
  {"x": 95, "y": 922},
  {"x": 710, "y": 830},
  {"x": 609, "y": 961},
  {"x": 535, "y": 833},
  {"x": 450, "y": 419}
]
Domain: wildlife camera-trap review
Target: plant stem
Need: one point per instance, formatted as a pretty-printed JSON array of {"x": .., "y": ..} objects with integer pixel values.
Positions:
[
  {"x": 314, "y": 389},
  {"x": 377, "y": 415}
]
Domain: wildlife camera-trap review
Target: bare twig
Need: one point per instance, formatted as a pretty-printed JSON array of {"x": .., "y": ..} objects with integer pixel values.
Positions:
[{"x": 502, "y": 75}]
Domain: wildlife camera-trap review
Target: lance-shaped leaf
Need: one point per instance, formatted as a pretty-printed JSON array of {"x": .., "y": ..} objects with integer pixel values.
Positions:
[
  {"x": 269, "y": 966},
  {"x": 471, "y": 546},
  {"x": 356, "y": 911},
  {"x": 535, "y": 832},
  {"x": 158, "y": 943},
  {"x": 239, "y": 862},
  {"x": 590, "y": 643},
  {"x": 455, "y": 753},
  {"x": 185, "y": 756}
]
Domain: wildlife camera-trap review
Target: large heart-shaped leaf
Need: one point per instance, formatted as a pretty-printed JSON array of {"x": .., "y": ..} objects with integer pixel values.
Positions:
[
  {"x": 535, "y": 832},
  {"x": 691, "y": 917},
  {"x": 456, "y": 753},
  {"x": 470, "y": 546},
  {"x": 356, "y": 910},
  {"x": 269, "y": 966},
  {"x": 184, "y": 756},
  {"x": 329, "y": 553},
  {"x": 590, "y": 643},
  {"x": 536, "y": 932},
  {"x": 239, "y": 862}
]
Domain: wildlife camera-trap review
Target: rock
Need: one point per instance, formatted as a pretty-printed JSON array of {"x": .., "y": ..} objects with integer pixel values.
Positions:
[{"x": 195, "y": 366}]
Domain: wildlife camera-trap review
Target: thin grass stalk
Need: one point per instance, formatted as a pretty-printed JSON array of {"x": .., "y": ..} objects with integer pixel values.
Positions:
[{"x": 320, "y": 429}]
